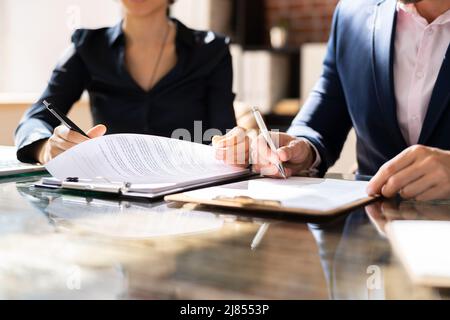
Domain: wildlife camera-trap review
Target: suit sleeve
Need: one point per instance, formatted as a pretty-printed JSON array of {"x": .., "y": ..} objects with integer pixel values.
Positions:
[
  {"x": 65, "y": 87},
  {"x": 324, "y": 119},
  {"x": 220, "y": 95}
]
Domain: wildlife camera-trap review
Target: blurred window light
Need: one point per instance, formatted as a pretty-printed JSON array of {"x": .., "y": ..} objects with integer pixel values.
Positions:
[{"x": 35, "y": 33}]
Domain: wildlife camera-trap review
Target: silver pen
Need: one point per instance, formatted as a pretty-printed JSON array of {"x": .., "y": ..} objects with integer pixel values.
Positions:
[{"x": 263, "y": 128}]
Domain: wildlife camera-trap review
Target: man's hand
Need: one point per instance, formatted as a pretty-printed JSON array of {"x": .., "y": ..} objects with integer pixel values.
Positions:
[
  {"x": 420, "y": 173},
  {"x": 295, "y": 154},
  {"x": 233, "y": 148},
  {"x": 63, "y": 139}
]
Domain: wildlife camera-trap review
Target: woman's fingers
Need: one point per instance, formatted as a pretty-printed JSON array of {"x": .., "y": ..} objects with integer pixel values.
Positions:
[
  {"x": 63, "y": 139},
  {"x": 233, "y": 148},
  {"x": 237, "y": 155},
  {"x": 69, "y": 135},
  {"x": 233, "y": 137},
  {"x": 97, "y": 131},
  {"x": 57, "y": 142}
]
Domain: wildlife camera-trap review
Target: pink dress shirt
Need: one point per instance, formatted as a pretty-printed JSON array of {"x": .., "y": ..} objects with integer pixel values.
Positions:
[{"x": 420, "y": 48}]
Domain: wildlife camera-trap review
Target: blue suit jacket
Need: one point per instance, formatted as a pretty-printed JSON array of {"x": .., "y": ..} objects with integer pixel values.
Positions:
[{"x": 356, "y": 89}]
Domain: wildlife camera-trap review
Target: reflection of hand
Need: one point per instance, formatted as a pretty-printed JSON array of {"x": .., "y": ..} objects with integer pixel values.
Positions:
[
  {"x": 375, "y": 213},
  {"x": 419, "y": 172},
  {"x": 381, "y": 213}
]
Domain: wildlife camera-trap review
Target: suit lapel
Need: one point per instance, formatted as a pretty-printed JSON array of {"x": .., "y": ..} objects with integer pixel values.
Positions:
[
  {"x": 439, "y": 100},
  {"x": 383, "y": 48}
]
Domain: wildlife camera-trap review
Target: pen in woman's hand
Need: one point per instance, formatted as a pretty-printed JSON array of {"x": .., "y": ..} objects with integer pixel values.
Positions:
[{"x": 64, "y": 120}]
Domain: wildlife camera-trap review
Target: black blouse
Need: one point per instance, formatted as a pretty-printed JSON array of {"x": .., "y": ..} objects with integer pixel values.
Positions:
[{"x": 196, "y": 95}]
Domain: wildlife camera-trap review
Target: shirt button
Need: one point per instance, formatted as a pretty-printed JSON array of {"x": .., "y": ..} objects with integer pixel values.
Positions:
[
  {"x": 419, "y": 74},
  {"x": 430, "y": 32}
]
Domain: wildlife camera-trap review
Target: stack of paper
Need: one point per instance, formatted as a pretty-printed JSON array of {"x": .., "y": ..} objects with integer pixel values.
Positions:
[{"x": 148, "y": 164}]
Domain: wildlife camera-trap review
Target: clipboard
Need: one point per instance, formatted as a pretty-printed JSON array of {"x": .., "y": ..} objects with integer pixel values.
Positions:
[
  {"x": 125, "y": 189},
  {"x": 263, "y": 204}
]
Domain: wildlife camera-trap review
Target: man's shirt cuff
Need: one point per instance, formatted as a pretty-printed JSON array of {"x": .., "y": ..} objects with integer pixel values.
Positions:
[{"x": 318, "y": 159}]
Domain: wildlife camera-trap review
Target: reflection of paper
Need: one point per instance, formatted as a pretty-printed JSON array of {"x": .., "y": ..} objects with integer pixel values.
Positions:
[
  {"x": 45, "y": 267},
  {"x": 295, "y": 192},
  {"x": 130, "y": 221},
  {"x": 141, "y": 159},
  {"x": 423, "y": 248}
]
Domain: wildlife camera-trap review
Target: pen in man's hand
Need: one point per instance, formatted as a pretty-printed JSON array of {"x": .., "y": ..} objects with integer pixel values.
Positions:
[
  {"x": 64, "y": 120},
  {"x": 263, "y": 128}
]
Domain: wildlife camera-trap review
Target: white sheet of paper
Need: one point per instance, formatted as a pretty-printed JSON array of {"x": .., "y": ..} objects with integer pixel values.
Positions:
[
  {"x": 423, "y": 248},
  {"x": 9, "y": 164},
  {"x": 295, "y": 192},
  {"x": 150, "y": 161}
]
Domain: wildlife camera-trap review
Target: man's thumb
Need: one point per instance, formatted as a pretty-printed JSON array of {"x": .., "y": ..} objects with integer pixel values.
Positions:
[
  {"x": 97, "y": 131},
  {"x": 285, "y": 153},
  {"x": 293, "y": 152}
]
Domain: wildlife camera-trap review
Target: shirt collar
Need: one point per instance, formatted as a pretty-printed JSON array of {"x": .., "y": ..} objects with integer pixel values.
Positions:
[
  {"x": 185, "y": 35},
  {"x": 115, "y": 33},
  {"x": 411, "y": 9},
  {"x": 408, "y": 8}
]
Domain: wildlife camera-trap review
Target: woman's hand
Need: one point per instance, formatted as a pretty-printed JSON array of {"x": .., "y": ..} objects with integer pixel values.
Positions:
[
  {"x": 233, "y": 148},
  {"x": 63, "y": 139}
]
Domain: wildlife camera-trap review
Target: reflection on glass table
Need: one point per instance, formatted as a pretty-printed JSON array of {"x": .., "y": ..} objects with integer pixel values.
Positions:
[
  {"x": 129, "y": 221},
  {"x": 68, "y": 245}
]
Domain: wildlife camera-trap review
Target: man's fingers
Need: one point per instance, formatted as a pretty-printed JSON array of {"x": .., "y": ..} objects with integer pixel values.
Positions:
[
  {"x": 419, "y": 186},
  {"x": 403, "y": 178},
  {"x": 296, "y": 152},
  {"x": 272, "y": 171},
  {"x": 401, "y": 161},
  {"x": 437, "y": 192},
  {"x": 285, "y": 153},
  {"x": 97, "y": 131},
  {"x": 265, "y": 154}
]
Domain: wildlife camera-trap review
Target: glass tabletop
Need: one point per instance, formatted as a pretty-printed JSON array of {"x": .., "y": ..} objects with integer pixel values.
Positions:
[{"x": 69, "y": 245}]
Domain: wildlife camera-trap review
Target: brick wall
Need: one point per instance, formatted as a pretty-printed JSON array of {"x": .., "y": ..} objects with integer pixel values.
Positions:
[{"x": 308, "y": 20}]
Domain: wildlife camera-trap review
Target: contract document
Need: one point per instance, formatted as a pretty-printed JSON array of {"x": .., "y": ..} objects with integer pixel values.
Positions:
[
  {"x": 300, "y": 195},
  {"x": 145, "y": 163}
]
